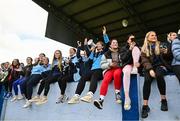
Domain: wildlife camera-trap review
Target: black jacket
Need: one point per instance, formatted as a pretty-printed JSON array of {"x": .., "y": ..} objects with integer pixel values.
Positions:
[
  {"x": 26, "y": 71},
  {"x": 83, "y": 65},
  {"x": 126, "y": 55},
  {"x": 168, "y": 57}
]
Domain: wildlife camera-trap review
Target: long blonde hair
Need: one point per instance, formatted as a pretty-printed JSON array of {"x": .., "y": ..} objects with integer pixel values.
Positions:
[
  {"x": 147, "y": 49},
  {"x": 59, "y": 60}
]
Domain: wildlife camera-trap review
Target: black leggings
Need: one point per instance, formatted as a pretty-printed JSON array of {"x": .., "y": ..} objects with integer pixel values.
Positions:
[
  {"x": 28, "y": 84},
  {"x": 62, "y": 81},
  {"x": 160, "y": 72},
  {"x": 45, "y": 84},
  {"x": 94, "y": 76},
  {"x": 176, "y": 70},
  {"x": 8, "y": 85},
  {"x": 23, "y": 86}
]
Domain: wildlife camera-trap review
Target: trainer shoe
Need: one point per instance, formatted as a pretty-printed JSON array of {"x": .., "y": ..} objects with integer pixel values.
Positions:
[
  {"x": 145, "y": 111},
  {"x": 9, "y": 94},
  {"x": 164, "y": 105},
  {"x": 35, "y": 99},
  {"x": 62, "y": 99},
  {"x": 127, "y": 104},
  {"x": 74, "y": 100},
  {"x": 14, "y": 98},
  {"x": 5, "y": 94},
  {"x": 42, "y": 100},
  {"x": 87, "y": 98},
  {"x": 99, "y": 103},
  {"x": 21, "y": 97},
  {"x": 28, "y": 104},
  {"x": 118, "y": 97}
]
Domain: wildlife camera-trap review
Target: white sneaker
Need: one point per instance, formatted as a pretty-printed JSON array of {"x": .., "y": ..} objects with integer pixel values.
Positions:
[
  {"x": 14, "y": 98},
  {"x": 28, "y": 104},
  {"x": 21, "y": 97},
  {"x": 134, "y": 70},
  {"x": 74, "y": 100},
  {"x": 87, "y": 98},
  {"x": 62, "y": 99},
  {"x": 118, "y": 98},
  {"x": 35, "y": 99},
  {"x": 42, "y": 100},
  {"x": 127, "y": 104}
]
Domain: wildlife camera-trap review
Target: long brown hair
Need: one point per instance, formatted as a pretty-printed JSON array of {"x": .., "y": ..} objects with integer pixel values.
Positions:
[
  {"x": 147, "y": 49},
  {"x": 59, "y": 60},
  {"x": 18, "y": 63}
]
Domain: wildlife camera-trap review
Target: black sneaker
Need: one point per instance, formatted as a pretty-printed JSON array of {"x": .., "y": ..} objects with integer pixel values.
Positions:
[
  {"x": 118, "y": 97},
  {"x": 145, "y": 111},
  {"x": 98, "y": 104},
  {"x": 164, "y": 106}
]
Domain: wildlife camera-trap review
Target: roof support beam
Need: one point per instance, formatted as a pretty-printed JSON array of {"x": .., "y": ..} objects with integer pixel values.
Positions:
[
  {"x": 102, "y": 15},
  {"x": 68, "y": 3}
]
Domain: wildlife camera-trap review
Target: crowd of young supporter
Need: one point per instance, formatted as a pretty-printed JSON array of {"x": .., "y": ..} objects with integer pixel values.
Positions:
[{"x": 104, "y": 61}]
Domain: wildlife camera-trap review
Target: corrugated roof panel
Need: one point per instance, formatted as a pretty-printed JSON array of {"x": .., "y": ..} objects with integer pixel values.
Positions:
[
  {"x": 80, "y": 5},
  {"x": 162, "y": 12},
  {"x": 110, "y": 17},
  {"x": 98, "y": 11},
  {"x": 151, "y": 4}
]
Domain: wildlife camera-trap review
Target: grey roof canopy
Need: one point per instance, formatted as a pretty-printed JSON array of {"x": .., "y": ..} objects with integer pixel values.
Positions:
[{"x": 85, "y": 18}]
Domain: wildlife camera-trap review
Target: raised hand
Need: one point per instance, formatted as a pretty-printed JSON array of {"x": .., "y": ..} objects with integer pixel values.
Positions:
[
  {"x": 104, "y": 30},
  {"x": 85, "y": 41},
  {"x": 152, "y": 73},
  {"x": 164, "y": 50},
  {"x": 93, "y": 48},
  {"x": 132, "y": 45},
  {"x": 79, "y": 43},
  {"x": 113, "y": 65}
]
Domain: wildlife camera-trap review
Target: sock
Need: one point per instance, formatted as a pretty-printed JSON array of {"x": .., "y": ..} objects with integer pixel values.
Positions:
[
  {"x": 101, "y": 97},
  {"x": 90, "y": 93},
  {"x": 77, "y": 95},
  {"x": 117, "y": 91}
]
